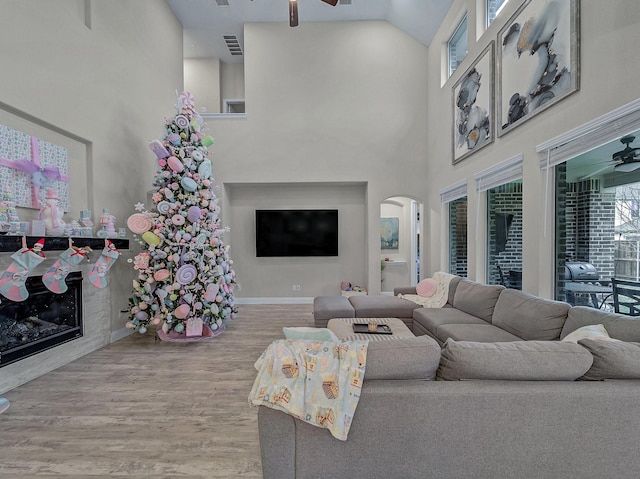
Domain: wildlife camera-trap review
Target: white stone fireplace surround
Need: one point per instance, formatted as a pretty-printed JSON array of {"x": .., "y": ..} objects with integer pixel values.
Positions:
[{"x": 96, "y": 326}]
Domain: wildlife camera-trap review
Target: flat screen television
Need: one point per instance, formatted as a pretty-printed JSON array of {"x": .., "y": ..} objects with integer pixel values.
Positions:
[{"x": 296, "y": 233}]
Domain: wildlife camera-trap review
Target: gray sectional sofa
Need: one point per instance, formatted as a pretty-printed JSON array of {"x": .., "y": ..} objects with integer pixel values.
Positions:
[{"x": 520, "y": 413}]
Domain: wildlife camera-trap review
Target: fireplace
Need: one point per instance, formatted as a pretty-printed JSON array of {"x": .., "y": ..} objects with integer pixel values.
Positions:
[{"x": 44, "y": 320}]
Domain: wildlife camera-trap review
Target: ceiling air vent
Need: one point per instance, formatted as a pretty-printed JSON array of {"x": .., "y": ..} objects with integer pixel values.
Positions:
[
  {"x": 232, "y": 43},
  {"x": 345, "y": 2},
  {"x": 222, "y": 3}
]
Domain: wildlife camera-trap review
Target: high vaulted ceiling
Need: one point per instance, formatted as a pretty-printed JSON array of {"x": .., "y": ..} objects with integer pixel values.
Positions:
[{"x": 206, "y": 23}]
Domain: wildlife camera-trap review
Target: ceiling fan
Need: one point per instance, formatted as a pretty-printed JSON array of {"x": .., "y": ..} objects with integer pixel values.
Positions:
[
  {"x": 623, "y": 161},
  {"x": 293, "y": 10}
]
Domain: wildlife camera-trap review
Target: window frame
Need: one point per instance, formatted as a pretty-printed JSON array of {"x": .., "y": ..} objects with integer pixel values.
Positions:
[{"x": 463, "y": 21}]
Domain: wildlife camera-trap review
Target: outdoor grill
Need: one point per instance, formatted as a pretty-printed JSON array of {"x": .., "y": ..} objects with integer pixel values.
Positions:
[{"x": 580, "y": 271}]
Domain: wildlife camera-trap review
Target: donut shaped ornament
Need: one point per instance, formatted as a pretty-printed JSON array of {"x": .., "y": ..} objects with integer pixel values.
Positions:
[
  {"x": 139, "y": 223},
  {"x": 182, "y": 311},
  {"x": 204, "y": 170},
  {"x": 182, "y": 122},
  {"x": 197, "y": 155},
  {"x": 151, "y": 239},
  {"x": 163, "y": 207},
  {"x": 193, "y": 214},
  {"x": 161, "y": 275},
  {"x": 177, "y": 219},
  {"x": 186, "y": 274},
  {"x": 175, "y": 164},
  {"x": 188, "y": 184}
]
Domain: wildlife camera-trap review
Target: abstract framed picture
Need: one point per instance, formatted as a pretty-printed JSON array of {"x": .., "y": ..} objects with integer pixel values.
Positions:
[
  {"x": 389, "y": 230},
  {"x": 473, "y": 100},
  {"x": 538, "y": 60}
]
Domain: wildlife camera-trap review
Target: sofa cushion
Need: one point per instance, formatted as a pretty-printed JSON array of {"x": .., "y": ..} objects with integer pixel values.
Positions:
[
  {"x": 517, "y": 361},
  {"x": 432, "y": 318},
  {"x": 612, "y": 359},
  {"x": 528, "y": 316},
  {"x": 483, "y": 333},
  {"x": 380, "y": 306},
  {"x": 327, "y": 307},
  {"x": 411, "y": 358},
  {"x": 618, "y": 326},
  {"x": 316, "y": 334},
  {"x": 477, "y": 299}
]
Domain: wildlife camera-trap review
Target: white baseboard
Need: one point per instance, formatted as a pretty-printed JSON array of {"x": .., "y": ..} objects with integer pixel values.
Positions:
[
  {"x": 296, "y": 300},
  {"x": 120, "y": 333}
]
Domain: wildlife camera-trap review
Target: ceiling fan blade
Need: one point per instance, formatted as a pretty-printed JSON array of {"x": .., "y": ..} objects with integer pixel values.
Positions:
[
  {"x": 293, "y": 13},
  {"x": 586, "y": 177},
  {"x": 627, "y": 167},
  {"x": 333, "y": 3}
]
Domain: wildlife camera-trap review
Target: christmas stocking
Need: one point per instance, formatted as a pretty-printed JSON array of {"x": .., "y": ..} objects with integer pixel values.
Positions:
[
  {"x": 54, "y": 278},
  {"x": 108, "y": 256},
  {"x": 24, "y": 261}
]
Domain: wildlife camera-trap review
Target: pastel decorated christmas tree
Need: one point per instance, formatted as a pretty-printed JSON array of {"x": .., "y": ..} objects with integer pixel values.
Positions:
[{"x": 185, "y": 279}]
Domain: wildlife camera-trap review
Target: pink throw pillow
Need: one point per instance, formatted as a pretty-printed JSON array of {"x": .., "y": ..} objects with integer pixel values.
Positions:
[{"x": 427, "y": 287}]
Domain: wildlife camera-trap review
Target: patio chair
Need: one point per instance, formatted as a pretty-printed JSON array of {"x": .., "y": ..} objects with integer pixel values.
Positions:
[{"x": 626, "y": 297}]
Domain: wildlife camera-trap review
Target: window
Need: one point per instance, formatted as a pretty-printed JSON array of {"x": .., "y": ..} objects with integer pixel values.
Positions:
[
  {"x": 493, "y": 8},
  {"x": 504, "y": 235},
  {"x": 597, "y": 226},
  {"x": 503, "y": 184},
  {"x": 457, "y": 46},
  {"x": 458, "y": 237}
]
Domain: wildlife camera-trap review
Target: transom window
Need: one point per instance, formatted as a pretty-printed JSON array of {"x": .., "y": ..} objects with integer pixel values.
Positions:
[
  {"x": 493, "y": 8},
  {"x": 457, "y": 46}
]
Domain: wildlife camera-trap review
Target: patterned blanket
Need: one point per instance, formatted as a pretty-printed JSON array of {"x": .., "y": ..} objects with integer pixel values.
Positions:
[{"x": 315, "y": 381}]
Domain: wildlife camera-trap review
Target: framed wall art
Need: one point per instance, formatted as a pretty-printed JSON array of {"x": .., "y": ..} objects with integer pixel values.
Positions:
[
  {"x": 473, "y": 99},
  {"x": 538, "y": 60},
  {"x": 389, "y": 231}
]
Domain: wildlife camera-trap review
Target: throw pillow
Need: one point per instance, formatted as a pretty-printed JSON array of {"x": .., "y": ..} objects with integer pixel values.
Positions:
[
  {"x": 515, "y": 361},
  {"x": 612, "y": 359},
  {"x": 593, "y": 331},
  {"x": 313, "y": 334},
  {"x": 427, "y": 287}
]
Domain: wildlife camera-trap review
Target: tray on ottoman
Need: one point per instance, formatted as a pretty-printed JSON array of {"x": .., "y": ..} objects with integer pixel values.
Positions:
[
  {"x": 371, "y": 328},
  {"x": 343, "y": 328}
]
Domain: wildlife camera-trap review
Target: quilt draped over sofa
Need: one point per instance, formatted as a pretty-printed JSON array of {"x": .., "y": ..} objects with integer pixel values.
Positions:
[{"x": 318, "y": 382}]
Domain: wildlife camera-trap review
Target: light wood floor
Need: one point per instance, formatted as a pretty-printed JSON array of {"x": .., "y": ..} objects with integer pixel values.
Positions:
[{"x": 141, "y": 408}]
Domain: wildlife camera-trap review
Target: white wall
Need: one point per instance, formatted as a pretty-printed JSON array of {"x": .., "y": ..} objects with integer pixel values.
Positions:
[
  {"x": 274, "y": 277},
  {"x": 231, "y": 81},
  {"x": 326, "y": 103},
  {"x": 111, "y": 85},
  {"x": 202, "y": 79},
  {"x": 610, "y": 33}
]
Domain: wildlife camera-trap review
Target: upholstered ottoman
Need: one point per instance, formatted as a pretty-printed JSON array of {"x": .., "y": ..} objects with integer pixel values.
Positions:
[
  {"x": 327, "y": 307},
  {"x": 381, "y": 306},
  {"x": 343, "y": 328}
]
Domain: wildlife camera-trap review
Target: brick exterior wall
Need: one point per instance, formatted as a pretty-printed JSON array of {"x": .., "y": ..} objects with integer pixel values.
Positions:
[
  {"x": 505, "y": 200},
  {"x": 585, "y": 219},
  {"x": 458, "y": 237}
]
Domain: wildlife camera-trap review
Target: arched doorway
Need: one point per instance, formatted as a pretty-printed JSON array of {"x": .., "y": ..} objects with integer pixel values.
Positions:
[{"x": 400, "y": 234}]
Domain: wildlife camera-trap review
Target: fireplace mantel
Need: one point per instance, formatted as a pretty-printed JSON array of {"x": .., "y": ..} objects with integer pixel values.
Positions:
[{"x": 12, "y": 243}]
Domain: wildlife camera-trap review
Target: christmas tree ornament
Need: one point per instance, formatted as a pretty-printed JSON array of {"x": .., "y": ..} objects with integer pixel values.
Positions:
[
  {"x": 97, "y": 275},
  {"x": 191, "y": 299},
  {"x": 55, "y": 277},
  {"x": 12, "y": 281}
]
